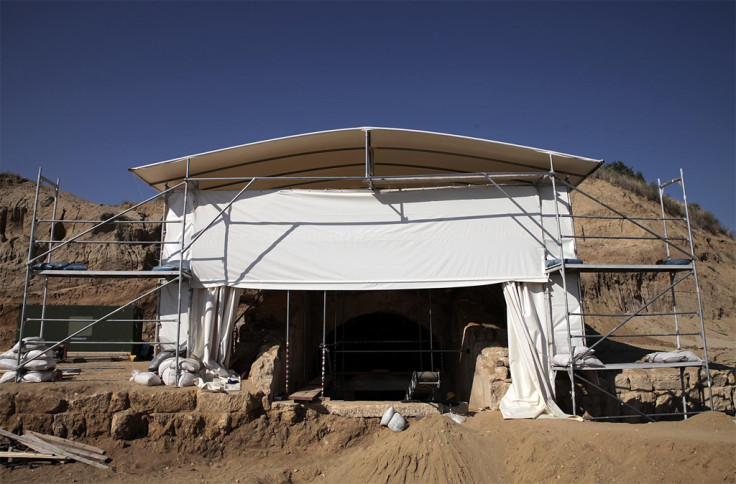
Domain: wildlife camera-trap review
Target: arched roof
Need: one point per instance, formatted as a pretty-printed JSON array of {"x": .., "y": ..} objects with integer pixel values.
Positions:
[{"x": 359, "y": 153}]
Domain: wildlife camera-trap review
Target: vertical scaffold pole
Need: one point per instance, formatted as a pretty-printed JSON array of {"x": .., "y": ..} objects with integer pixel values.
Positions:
[
  {"x": 181, "y": 269},
  {"x": 660, "y": 189},
  {"x": 570, "y": 369},
  {"x": 324, "y": 338},
  {"x": 431, "y": 335},
  {"x": 48, "y": 258},
  {"x": 161, "y": 259},
  {"x": 697, "y": 291},
  {"x": 28, "y": 274},
  {"x": 288, "y": 314}
]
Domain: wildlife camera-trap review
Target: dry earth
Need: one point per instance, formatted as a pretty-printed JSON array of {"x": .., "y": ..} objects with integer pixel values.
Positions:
[
  {"x": 325, "y": 448},
  {"x": 433, "y": 449}
]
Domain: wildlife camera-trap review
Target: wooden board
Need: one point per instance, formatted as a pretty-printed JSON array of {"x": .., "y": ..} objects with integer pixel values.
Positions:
[
  {"x": 52, "y": 438},
  {"x": 42, "y": 446},
  {"x": 29, "y": 455},
  {"x": 306, "y": 394}
]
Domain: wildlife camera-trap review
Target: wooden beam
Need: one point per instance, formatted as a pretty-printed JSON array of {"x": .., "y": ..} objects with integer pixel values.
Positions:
[
  {"x": 29, "y": 455},
  {"x": 55, "y": 439}
]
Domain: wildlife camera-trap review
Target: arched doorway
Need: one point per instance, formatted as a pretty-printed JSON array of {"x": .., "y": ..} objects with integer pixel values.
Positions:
[{"x": 376, "y": 354}]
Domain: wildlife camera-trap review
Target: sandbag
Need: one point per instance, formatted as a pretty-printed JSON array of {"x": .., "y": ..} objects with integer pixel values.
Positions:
[
  {"x": 387, "y": 416},
  {"x": 188, "y": 364},
  {"x": 397, "y": 423},
  {"x": 30, "y": 343},
  {"x": 8, "y": 363},
  {"x": 147, "y": 378},
  {"x": 10, "y": 354},
  {"x": 43, "y": 352},
  {"x": 158, "y": 359},
  {"x": 9, "y": 376},
  {"x": 36, "y": 376},
  {"x": 168, "y": 375},
  {"x": 41, "y": 364},
  {"x": 186, "y": 378}
]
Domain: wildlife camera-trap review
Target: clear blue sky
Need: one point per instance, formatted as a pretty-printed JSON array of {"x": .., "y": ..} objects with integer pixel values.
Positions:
[{"x": 90, "y": 89}]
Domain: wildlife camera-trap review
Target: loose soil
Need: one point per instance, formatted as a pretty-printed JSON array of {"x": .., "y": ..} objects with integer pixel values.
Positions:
[{"x": 324, "y": 448}]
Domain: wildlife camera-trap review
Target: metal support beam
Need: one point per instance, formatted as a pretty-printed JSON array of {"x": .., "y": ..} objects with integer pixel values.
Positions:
[
  {"x": 324, "y": 338},
  {"x": 28, "y": 273},
  {"x": 288, "y": 321}
]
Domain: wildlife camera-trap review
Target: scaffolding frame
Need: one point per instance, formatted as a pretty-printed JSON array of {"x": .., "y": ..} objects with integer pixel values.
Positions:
[
  {"x": 687, "y": 272},
  {"x": 559, "y": 184}
]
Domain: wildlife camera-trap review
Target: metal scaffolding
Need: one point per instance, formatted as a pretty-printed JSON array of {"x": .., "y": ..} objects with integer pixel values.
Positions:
[
  {"x": 679, "y": 272},
  {"x": 560, "y": 186}
]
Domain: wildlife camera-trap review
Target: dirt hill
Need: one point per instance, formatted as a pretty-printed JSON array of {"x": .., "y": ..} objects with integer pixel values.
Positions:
[{"x": 716, "y": 260}]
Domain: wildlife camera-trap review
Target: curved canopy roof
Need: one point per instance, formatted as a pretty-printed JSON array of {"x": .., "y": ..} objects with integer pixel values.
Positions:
[{"x": 355, "y": 154}]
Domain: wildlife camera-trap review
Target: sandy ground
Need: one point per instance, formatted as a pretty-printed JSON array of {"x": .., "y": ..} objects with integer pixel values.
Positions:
[{"x": 433, "y": 449}]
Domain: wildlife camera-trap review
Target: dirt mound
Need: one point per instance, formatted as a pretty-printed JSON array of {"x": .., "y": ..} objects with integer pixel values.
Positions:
[{"x": 432, "y": 449}]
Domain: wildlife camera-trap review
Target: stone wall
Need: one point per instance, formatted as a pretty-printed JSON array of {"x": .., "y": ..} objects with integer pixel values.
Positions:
[
  {"x": 150, "y": 412},
  {"x": 651, "y": 391}
]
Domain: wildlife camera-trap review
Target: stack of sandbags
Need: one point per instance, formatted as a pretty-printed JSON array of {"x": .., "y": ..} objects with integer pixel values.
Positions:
[
  {"x": 40, "y": 365},
  {"x": 189, "y": 371},
  {"x": 394, "y": 420}
]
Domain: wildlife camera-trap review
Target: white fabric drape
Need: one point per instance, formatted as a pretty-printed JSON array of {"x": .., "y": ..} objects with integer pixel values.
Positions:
[
  {"x": 213, "y": 315},
  {"x": 530, "y": 394},
  {"x": 363, "y": 240}
]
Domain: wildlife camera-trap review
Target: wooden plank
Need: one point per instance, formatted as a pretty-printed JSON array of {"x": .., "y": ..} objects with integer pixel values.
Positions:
[
  {"x": 53, "y": 438},
  {"x": 42, "y": 446},
  {"x": 9, "y": 435},
  {"x": 29, "y": 455},
  {"x": 71, "y": 448},
  {"x": 306, "y": 394}
]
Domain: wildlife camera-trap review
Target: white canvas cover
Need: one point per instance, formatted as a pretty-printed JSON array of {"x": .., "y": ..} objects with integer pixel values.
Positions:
[
  {"x": 357, "y": 239},
  {"x": 531, "y": 392}
]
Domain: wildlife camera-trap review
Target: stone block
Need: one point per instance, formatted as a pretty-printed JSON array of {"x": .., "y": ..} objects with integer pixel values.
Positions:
[
  {"x": 69, "y": 425},
  {"x": 118, "y": 402},
  {"x": 38, "y": 422},
  {"x": 640, "y": 382},
  {"x": 7, "y": 405},
  {"x": 622, "y": 382},
  {"x": 666, "y": 403},
  {"x": 98, "y": 424},
  {"x": 188, "y": 425},
  {"x": 719, "y": 378},
  {"x": 502, "y": 373},
  {"x": 128, "y": 425},
  {"x": 642, "y": 401},
  {"x": 94, "y": 404},
  {"x": 265, "y": 372},
  {"x": 723, "y": 400},
  {"x": 39, "y": 403},
  {"x": 668, "y": 382},
  {"x": 242, "y": 401},
  {"x": 163, "y": 401}
]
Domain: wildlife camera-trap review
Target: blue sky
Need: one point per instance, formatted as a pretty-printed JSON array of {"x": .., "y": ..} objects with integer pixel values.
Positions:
[{"x": 89, "y": 89}]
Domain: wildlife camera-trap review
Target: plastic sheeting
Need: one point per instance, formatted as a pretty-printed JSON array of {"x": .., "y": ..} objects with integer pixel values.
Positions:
[
  {"x": 531, "y": 392},
  {"x": 357, "y": 239}
]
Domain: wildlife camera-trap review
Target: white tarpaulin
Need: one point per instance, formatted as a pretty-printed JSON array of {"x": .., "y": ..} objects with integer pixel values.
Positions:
[
  {"x": 353, "y": 239},
  {"x": 531, "y": 392},
  {"x": 213, "y": 314}
]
